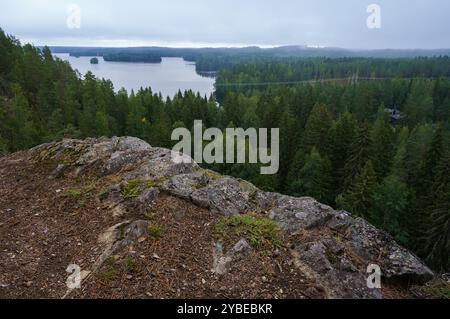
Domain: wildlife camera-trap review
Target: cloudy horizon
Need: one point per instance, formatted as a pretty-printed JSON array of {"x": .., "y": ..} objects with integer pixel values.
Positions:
[{"x": 413, "y": 24}]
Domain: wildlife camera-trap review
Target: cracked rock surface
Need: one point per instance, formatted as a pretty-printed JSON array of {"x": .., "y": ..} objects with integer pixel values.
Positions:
[{"x": 141, "y": 226}]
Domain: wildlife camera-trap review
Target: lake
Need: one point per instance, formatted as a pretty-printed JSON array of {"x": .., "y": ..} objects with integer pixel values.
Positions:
[{"x": 167, "y": 77}]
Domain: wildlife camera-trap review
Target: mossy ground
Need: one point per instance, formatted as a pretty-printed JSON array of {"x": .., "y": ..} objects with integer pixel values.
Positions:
[
  {"x": 135, "y": 187},
  {"x": 259, "y": 231}
]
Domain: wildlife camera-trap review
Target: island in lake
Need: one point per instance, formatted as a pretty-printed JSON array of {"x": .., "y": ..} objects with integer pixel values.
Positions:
[{"x": 94, "y": 61}]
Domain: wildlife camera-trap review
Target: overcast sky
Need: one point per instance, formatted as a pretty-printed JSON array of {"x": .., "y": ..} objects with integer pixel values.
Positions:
[{"x": 342, "y": 23}]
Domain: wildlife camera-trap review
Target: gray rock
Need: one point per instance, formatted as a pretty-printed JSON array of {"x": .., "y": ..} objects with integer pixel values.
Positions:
[
  {"x": 298, "y": 214},
  {"x": 147, "y": 197},
  {"x": 223, "y": 263},
  {"x": 324, "y": 261},
  {"x": 131, "y": 233},
  {"x": 380, "y": 248},
  {"x": 315, "y": 256},
  {"x": 331, "y": 247},
  {"x": 225, "y": 196},
  {"x": 402, "y": 264},
  {"x": 184, "y": 185}
]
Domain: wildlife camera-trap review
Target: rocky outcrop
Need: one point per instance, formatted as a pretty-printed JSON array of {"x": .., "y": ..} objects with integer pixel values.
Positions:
[
  {"x": 331, "y": 248},
  {"x": 223, "y": 262}
]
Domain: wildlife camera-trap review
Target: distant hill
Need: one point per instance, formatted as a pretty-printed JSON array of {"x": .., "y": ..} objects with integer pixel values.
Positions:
[
  {"x": 283, "y": 51},
  {"x": 215, "y": 59}
]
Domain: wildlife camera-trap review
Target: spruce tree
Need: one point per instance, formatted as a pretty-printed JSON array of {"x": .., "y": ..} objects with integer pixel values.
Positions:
[
  {"x": 416, "y": 148},
  {"x": 287, "y": 147},
  {"x": 424, "y": 190},
  {"x": 398, "y": 163},
  {"x": 419, "y": 105},
  {"x": 382, "y": 144},
  {"x": 342, "y": 136},
  {"x": 232, "y": 110},
  {"x": 317, "y": 129},
  {"x": 314, "y": 178},
  {"x": 294, "y": 170},
  {"x": 358, "y": 200},
  {"x": 359, "y": 155},
  {"x": 437, "y": 247},
  {"x": 438, "y": 243},
  {"x": 390, "y": 207},
  {"x": 429, "y": 164}
]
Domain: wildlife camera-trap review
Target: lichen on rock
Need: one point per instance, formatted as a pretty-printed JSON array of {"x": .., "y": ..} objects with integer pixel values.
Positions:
[{"x": 331, "y": 248}]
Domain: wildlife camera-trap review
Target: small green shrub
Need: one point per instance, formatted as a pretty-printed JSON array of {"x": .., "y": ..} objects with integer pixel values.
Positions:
[
  {"x": 109, "y": 272},
  {"x": 130, "y": 265},
  {"x": 149, "y": 215},
  {"x": 73, "y": 193},
  {"x": 155, "y": 230},
  {"x": 80, "y": 192},
  {"x": 151, "y": 184},
  {"x": 136, "y": 181},
  {"x": 130, "y": 191}
]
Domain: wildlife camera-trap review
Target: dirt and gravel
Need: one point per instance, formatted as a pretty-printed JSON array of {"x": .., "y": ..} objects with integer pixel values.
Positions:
[
  {"x": 43, "y": 230},
  {"x": 59, "y": 200}
]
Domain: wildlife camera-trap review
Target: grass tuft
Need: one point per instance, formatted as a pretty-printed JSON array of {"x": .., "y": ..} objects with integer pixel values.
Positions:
[
  {"x": 130, "y": 191},
  {"x": 109, "y": 273},
  {"x": 155, "y": 231},
  {"x": 85, "y": 191},
  {"x": 130, "y": 265},
  {"x": 258, "y": 231}
]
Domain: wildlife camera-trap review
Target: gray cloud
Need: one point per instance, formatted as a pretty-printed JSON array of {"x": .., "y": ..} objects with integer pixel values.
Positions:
[{"x": 405, "y": 23}]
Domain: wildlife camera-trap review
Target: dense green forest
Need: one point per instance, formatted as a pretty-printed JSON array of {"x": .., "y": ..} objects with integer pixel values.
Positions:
[
  {"x": 338, "y": 143},
  {"x": 241, "y": 77},
  {"x": 137, "y": 57}
]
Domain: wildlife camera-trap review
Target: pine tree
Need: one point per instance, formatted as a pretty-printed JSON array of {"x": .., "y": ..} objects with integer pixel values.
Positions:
[
  {"x": 55, "y": 126},
  {"x": 101, "y": 124},
  {"x": 120, "y": 113},
  {"x": 17, "y": 124},
  {"x": 160, "y": 131},
  {"x": 136, "y": 121}
]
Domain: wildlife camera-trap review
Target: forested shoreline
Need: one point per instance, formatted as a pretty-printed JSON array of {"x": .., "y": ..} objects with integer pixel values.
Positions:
[
  {"x": 339, "y": 140},
  {"x": 217, "y": 59}
]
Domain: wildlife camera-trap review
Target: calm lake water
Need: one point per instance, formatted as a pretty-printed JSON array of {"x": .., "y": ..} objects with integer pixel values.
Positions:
[{"x": 167, "y": 77}]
